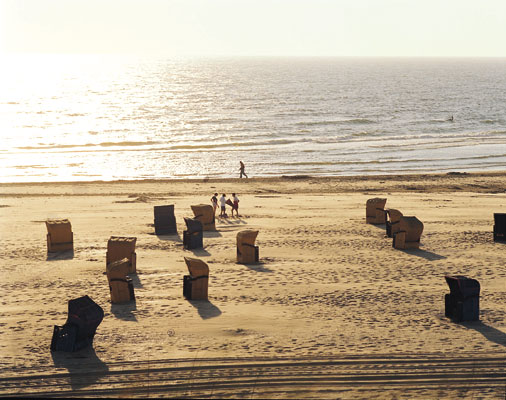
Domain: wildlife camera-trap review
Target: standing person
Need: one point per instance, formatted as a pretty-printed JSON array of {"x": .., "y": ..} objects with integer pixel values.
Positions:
[
  {"x": 235, "y": 207},
  {"x": 223, "y": 202},
  {"x": 242, "y": 170},
  {"x": 214, "y": 201}
]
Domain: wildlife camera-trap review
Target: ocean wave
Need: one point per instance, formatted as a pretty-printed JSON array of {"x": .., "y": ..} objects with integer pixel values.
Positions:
[
  {"x": 490, "y": 121},
  {"x": 142, "y": 145},
  {"x": 233, "y": 144},
  {"x": 102, "y": 144},
  {"x": 354, "y": 121},
  {"x": 363, "y": 133}
]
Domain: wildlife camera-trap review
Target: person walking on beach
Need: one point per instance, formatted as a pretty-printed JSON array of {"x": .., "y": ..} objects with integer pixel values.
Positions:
[
  {"x": 223, "y": 202},
  {"x": 235, "y": 206},
  {"x": 214, "y": 201},
  {"x": 242, "y": 170}
]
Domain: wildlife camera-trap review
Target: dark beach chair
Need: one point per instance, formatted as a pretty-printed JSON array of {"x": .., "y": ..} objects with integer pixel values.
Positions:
[
  {"x": 193, "y": 235},
  {"x": 393, "y": 217},
  {"x": 84, "y": 317},
  {"x": 499, "y": 227},
  {"x": 165, "y": 220},
  {"x": 463, "y": 301}
]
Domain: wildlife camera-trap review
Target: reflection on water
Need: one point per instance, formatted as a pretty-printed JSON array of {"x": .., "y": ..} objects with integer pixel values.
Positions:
[{"x": 87, "y": 117}]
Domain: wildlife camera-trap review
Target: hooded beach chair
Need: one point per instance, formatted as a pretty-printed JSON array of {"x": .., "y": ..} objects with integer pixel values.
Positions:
[
  {"x": 393, "y": 217},
  {"x": 463, "y": 301},
  {"x": 409, "y": 233},
  {"x": 499, "y": 227},
  {"x": 375, "y": 211},
  {"x": 196, "y": 284},
  {"x": 165, "y": 220},
  {"x": 193, "y": 236},
  {"x": 247, "y": 252},
  {"x": 84, "y": 317},
  {"x": 205, "y": 214},
  {"x": 59, "y": 235},
  {"x": 120, "y": 285},
  {"x": 122, "y": 247}
]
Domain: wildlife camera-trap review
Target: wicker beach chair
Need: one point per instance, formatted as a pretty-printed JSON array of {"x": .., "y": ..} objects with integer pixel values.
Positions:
[
  {"x": 119, "y": 247},
  {"x": 409, "y": 233},
  {"x": 59, "y": 235},
  {"x": 247, "y": 252},
  {"x": 120, "y": 285},
  {"x": 195, "y": 285},
  {"x": 375, "y": 211},
  {"x": 205, "y": 214}
]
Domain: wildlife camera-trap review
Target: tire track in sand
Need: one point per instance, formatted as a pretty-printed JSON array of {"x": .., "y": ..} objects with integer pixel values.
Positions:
[{"x": 369, "y": 376}]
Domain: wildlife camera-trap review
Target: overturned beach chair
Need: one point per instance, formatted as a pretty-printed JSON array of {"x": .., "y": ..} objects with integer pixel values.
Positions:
[
  {"x": 499, "y": 227},
  {"x": 119, "y": 247},
  {"x": 195, "y": 285},
  {"x": 409, "y": 233},
  {"x": 193, "y": 236},
  {"x": 165, "y": 220},
  {"x": 393, "y": 217},
  {"x": 375, "y": 211},
  {"x": 59, "y": 235},
  {"x": 205, "y": 214},
  {"x": 120, "y": 285},
  {"x": 463, "y": 301},
  {"x": 84, "y": 317},
  {"x": 247, "y": 252}
]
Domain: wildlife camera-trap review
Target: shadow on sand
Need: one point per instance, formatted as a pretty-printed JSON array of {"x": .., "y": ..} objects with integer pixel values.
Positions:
[
  {"x": 63, "y": 255},
  {"x": 428, "y": 255},
  {"x": 200, "y": 252},
  {"x": 490, "y": 333},
  {"x": 173, "y": 237},
  {"x": 211, "y": 234},
  {"x": 232, "y": 221},
  {"x": 135, "y": 280},
  {"x": 258, "y": 267},
  {"x": 84, "y": 366},
  {"x": 205, "y": 308},
  {"x": 124, "y": 311}
]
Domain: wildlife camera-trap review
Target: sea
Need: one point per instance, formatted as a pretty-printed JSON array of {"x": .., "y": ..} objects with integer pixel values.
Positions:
[{"x": 95, "y": 117}]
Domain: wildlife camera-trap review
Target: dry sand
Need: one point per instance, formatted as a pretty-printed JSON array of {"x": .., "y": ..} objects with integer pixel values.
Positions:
[{"x": 332, "y": 310}]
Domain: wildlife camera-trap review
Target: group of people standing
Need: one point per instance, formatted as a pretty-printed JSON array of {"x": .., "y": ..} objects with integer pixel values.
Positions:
[{"x": 234, "y": 203}]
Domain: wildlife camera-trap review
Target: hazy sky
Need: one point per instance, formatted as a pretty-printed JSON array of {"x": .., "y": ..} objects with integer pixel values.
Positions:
[{"x": 256, "y": 27}]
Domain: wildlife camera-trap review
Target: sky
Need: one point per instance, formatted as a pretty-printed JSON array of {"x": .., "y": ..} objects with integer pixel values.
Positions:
[{"x": 369, "y": 28}]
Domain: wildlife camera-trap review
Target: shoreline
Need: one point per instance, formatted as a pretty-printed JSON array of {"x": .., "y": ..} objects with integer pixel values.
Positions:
[{"x": 494, "y": 182}]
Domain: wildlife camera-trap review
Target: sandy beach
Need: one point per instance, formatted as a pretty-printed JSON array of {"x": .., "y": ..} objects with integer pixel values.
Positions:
[{"x": 331, "y": 310}]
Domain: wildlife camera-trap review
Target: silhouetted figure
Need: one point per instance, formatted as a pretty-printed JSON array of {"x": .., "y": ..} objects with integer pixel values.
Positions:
[{"x": 242, "y": 170}]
